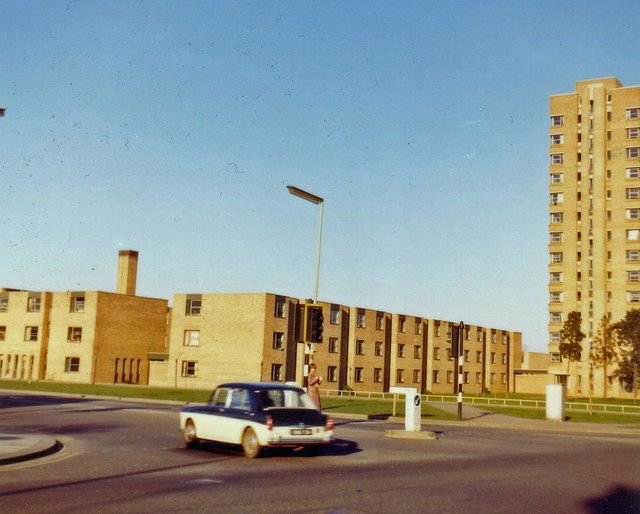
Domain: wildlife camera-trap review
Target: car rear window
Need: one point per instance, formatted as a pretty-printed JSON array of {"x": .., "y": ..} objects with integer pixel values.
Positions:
[{"x": 284, "y": 398}]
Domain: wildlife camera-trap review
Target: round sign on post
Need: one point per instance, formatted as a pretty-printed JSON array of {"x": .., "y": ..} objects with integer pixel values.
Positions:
[{"x": 417, "y": 400}]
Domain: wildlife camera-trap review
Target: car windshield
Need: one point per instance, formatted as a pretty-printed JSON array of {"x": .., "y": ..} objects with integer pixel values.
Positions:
[{"x": 285, "y": 398}]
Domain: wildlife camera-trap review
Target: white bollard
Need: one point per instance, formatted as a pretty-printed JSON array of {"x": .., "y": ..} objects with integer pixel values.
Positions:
[
  {"x": 412, "y": 407},
  {"x": 555, "y": 402}
]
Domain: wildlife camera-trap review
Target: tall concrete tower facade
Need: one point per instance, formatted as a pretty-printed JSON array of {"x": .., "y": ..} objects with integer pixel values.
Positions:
[
  {"x": 594, "y": 218},
  {"x": 127, "y": 272}
]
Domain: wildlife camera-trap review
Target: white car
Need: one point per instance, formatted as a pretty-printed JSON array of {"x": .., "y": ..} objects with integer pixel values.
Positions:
[{"x": 257, "y": 415}]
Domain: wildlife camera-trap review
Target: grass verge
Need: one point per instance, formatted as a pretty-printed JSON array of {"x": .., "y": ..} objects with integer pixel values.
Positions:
[{"x": 576, "y": 417}]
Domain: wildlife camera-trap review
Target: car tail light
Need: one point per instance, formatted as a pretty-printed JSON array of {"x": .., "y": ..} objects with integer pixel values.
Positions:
[
  {"x": 269, "y": 422},
  {"x": 329, "y": 424}
]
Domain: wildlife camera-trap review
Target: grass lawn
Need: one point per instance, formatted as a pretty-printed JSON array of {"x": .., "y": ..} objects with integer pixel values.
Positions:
[
  {"x": 378, "y": 408},
  {"x": 577, "y": 417}
]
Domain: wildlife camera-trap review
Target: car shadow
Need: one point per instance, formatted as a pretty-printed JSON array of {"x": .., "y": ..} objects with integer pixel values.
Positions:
[
  {"x": 621, "y": 499},
  {"x": 336, "y": 448}
]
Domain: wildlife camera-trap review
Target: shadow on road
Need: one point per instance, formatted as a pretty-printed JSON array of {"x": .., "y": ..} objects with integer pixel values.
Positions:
[{"x": 621, "y": 499}]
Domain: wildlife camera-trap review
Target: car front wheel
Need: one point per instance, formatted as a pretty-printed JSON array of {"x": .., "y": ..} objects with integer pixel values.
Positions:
[
  {"x": 189, "y": 434},
  {"x": 250, "y": 444}
]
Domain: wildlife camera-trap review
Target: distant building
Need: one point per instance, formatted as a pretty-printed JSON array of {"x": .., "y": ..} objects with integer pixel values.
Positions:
[
  {"x": 207, "y": 339},
  {"x": 594, "y": 226},
  {"x": 221, "y": 337},
  {"x": 80, "y": 336}
]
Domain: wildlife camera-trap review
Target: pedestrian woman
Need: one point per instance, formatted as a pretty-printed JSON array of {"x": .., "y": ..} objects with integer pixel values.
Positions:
[{"x": 313, "y": 381}]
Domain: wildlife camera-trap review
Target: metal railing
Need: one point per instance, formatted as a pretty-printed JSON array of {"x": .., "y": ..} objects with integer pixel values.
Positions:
[{"x": 485, "y": 400}]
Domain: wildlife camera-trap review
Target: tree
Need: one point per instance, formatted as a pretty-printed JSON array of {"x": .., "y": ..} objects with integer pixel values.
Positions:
[
  {"x": 571, "y": 337},
  {"x": 628, "y": 330},
  {"x": 605, "y": 348}
]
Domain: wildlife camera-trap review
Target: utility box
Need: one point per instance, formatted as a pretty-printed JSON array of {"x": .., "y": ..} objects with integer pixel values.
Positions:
[
  {"x": 412, "y": 407},
  {"x": 555, "y": 402}
]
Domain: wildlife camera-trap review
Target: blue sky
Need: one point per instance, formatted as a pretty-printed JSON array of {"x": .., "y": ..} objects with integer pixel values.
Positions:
[{"x": 173, "y": 128}]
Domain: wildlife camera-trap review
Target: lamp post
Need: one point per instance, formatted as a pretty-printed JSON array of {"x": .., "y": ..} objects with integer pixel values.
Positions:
[{"x": 318, "y": 201}]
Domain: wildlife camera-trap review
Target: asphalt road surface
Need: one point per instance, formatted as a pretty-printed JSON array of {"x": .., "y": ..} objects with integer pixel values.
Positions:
[{"x": 128, "y": 457}]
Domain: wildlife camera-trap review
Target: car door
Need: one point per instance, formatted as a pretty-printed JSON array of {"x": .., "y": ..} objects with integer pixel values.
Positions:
[
  {"x": 238, "y": 414},
  {"x": 212, "y": 420}
]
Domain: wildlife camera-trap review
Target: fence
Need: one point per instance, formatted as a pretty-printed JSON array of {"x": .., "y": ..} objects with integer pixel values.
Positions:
[{"x": 485, "y": 400}]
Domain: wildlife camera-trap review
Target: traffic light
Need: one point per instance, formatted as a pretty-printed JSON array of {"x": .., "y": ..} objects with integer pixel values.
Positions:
[
  {"x": 455, "y": 338},
  {"x": 313, "y": 323}
]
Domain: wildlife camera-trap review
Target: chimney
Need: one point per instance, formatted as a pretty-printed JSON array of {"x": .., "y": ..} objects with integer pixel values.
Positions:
[{"x": 127, "y": 272}]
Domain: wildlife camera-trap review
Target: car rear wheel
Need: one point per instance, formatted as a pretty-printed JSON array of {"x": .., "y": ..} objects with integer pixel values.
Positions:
[
  {"x": 189, "y": 434},
  {"x": 250, "y": 444}
]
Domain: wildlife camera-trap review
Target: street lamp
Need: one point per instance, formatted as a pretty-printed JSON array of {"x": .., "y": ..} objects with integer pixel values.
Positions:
[{"x": 318, "y": 201}]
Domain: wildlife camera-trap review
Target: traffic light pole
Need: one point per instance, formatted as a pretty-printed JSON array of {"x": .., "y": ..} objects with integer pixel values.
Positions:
[{"x": 460, "y": 353}]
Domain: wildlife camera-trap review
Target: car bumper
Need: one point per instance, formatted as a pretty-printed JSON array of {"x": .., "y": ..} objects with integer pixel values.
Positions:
[{"x": 278, "y": 440}]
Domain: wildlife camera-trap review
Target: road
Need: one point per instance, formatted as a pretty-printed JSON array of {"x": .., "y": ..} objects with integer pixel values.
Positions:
[{"x": 128, "y": 457}]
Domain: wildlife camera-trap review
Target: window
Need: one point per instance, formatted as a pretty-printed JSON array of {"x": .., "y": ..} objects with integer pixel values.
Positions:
[
  {"x": 3, "y": 333},
  {"x": 276, "y": 372},
  {"x": 191, "y": 338},
  {"x": 332, "y": 374},
  {"x": 400, "y": 376},
  {"x": 361, "y": 319},
  {"x": 633, "y": 276},
  {"x": 417, "y": 352},
  {"x": 379, "y": 322},
  {"x": 556, "y": 257},
  {"x": 557, "y": 121},
  {"x": 333, "y": 345},
  {"x": 377, "y": 375},
  {"x": 633, "y": 234},
  {"x": 402, "y": 326},
  {"x": 77, "y": 304},
  {"x": 633, "y": 172},
  {"x": 436, "y": 376},
  {"x": 556, "y": 198},
  {"x": 478, "y": 356},
  {"x": 555, "y": 317},
  {"x": 555, "y": 297},
  {"x": 556, "y": 139},
  {"x": 400, "y": 350},
  {"x": 416, "y": 376},
  {"x": 74, "y": 335},
  {"x": 557, "y": 158},
  {"x": 633, "y": 255},
  {"x": 633, "y": 214},
  {"x": 4, "y": 304},
  {"x": 278, "y": 340},
  {"x": 465, "y": 377},
  {"x": 493, "y": 378},
  {"x": 504, "y": 358},
  {"x": 466, "y": 355},
  {"x": 418, "y": 327},
  {"x": 556, "y": 178},
  {"x": 378, "y": 349},
  {"x": 449, "y": 377},
  {"x": 556, "y": 217},
  {"x": 436, "y": 354},
  {"x": 31, "y": 334},
  {"x": 334, "y": 317},
  {"x": 633, "y": 296},
  {"x": 633, "y": 152},
  {"x": 503, "y": 377},
  {"x": 556, "y": 276},
  {"x": 72, "y": 365},
  {"x": 359, "y": 347},
  {"x": 479, "y": 378},
  {"x": 436, "y": 329},
  {"x": 633, "y": 193},
  {"x": 33, "y": 305},
  {"x": 193, "y": 306},
  {"x": 493, "y": 357},
  {"x": 479, "y": 334},
  {"x": 556, "y": 237},
  {"x": 279, "y": 308},
  {"x": 189, "y": 368},
  {"x": 359, "y": 375},
  {"x": 633, "y": 113},
  {"x": 555, "y": 357},
  {"x": 633, "y": 133}
]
